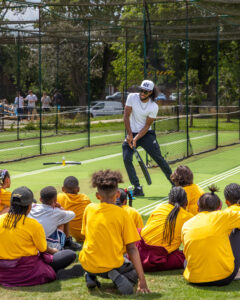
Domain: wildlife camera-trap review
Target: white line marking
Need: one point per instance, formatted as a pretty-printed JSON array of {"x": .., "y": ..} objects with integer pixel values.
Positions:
[
  {"x": 96, "y": 137},
  {"x": 60, "y": 142},
  {"x": 83, "y": 162}
]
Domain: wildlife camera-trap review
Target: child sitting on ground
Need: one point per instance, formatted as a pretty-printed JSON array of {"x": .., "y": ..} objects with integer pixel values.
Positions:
[
  {"x": 51, "y": 216},
  {"x": 213, "y": 257},
  {"x": 183, "y": 177},
  {"x": 25, "y": 258},
  {"x": 5, "y": 196},
  {"x": 72, "y": 200},
  {"x": 232, "y": 196},
  {"x": 133, "y": 213},
  {"x": 108, "y": 229},
  {"x": 161, "y": 236}
]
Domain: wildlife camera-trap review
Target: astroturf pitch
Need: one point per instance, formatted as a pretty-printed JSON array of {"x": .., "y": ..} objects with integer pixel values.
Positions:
[{"x": 219, "y": 166}]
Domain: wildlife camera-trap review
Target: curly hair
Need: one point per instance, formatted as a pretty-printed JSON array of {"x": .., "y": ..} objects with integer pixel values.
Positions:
[
  {"x": 232, "y": 193},
  {"x": 3, "y": 175},
  {"x": 178, "y": 198},
  {"x": 209, "y": 201},
  {"x": 106, "y": 180},
  {"x": 182, "y": 176}
]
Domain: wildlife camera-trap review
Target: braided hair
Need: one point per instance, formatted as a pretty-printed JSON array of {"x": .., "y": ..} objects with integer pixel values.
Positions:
[
  {"x": 3, "y": 175},
  {"x": 209, "y": 201},
  {"x": 178, "y": 198},
  {"x": 14, "y": 215}
]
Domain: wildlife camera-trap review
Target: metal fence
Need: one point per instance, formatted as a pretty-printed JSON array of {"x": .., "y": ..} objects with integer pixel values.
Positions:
[{"x": 181, "y": 132}]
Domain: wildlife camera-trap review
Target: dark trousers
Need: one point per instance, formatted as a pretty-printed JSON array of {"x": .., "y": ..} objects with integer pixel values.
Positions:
[
  {"x": 149, "y": 143},
  {"x": 124, "y": 277},
  {"x": 62, "y": 259},
  {"x": 235, "y": 243}
]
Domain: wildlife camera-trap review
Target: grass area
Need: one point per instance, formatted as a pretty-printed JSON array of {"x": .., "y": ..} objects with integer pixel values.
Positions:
[{"x": 164, "y": 285}]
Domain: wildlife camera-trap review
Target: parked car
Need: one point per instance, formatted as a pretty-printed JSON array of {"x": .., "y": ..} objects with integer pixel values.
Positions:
[
  {"x": 117, "y": 96},
  {"x": 160, "y": 96},
  {"x": 106, "y": 108},
  {"x": 174, "y": 96}
]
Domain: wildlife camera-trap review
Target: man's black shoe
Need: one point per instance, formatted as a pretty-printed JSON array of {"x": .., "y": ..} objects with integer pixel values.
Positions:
[
  {"x": 70, "y": 244},
  {"x": 138, "y": 191}
]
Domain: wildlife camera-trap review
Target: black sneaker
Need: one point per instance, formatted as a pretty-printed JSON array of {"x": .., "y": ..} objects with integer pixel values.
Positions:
[
  {"x": 138, "y": 191},
  {"x": 75, "y": 271},
  {"x": 91, "y": 281},
  {"x": 70, "y": 244}
]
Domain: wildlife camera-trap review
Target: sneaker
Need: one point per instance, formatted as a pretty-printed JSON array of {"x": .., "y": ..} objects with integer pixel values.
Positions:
[
  {"x": 122, "y": 283},
  {"x": 91, "y": 281},
  {"x": 75, "y": 271},
  {"x": 138, "y": 191},
  {"x": 70, "y": 244},
  {"x": 237, "y": 277}
]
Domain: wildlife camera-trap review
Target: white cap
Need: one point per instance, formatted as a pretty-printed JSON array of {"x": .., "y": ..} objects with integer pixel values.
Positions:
[{"x": 147, "y": 85}]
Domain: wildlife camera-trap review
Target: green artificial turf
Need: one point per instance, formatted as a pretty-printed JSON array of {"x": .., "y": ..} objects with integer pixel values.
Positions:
[{"x": 164, "y": 285}]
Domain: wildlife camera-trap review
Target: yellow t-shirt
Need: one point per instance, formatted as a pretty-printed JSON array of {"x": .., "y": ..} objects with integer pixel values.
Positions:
[
  {"x": 152, "y": 233},
  {"x": 135, "y": 215},
  {"x": 107, "y": 229},
  {"x": 27, "y": 239},
  {"x": 194, "y": 192},
  {"x": 76, "y": 203},
  {"x": 5, "y": 197},
  {"x": 207, "y": 247}
]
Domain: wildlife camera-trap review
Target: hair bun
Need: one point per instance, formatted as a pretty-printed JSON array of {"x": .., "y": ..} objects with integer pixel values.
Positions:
[{"x": 213, "y": 188}]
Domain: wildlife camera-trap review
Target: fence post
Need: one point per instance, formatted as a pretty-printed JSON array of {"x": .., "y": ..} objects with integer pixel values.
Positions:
[
  {"x": 217, "y": 83},
  {"x": 40, "y": 75},
  {"x": 89, "y": 80},
  {"x": 18, "y": 82},
  {"x": 187, "y": 57}
]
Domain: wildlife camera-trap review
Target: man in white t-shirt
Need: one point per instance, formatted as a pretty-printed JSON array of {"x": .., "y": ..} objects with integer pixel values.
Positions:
[
  {"x": 139, "y": 114},
  {"x": 32, "y": 99},
  {"x": 19, "y": 104}
]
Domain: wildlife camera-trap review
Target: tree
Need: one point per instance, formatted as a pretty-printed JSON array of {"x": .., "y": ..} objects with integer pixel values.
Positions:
[{"x": 195, "y": 93}]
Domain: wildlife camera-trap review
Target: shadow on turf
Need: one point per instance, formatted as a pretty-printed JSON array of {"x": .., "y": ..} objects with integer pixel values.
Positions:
[
  {"x": 108, "y": 290},
  {"x": 232, "y": 287},
  {"x": 54, "y": 286},
  {"x": 150, "y": 198}
]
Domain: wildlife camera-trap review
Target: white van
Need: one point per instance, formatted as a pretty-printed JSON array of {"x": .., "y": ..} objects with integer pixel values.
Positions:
[{"x": 106, "y": 108}]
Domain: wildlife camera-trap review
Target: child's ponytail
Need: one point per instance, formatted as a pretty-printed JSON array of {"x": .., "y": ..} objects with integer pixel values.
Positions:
[{"x": 178, "y": 198}]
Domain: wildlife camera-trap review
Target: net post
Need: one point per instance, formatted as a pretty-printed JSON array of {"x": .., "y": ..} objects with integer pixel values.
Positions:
[
  {"x": 57, "y": 84},
  {"x": 217, "y": 84},
  {"x": 89, "y": 81},
  {"x": 18, "y": 81},
  {"x": 187, "y": 58},
  {"x": 40, "y": 75}
]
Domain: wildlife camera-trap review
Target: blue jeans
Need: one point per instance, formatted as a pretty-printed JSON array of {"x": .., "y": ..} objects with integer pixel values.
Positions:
[{"x": 150, "y": 144}]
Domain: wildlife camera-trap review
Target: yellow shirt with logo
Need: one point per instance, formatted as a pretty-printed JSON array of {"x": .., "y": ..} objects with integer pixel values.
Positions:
[
  {"x": 207, "y": 247},
  {"x": 194, "y": 192},
  {"x": 135, "y": 215},
  {"x": 76, "y": 203},
  {"x": 107, "y": 229},
  {"x": 152, "y": 233},
  {"x": 5, "y": 197},
  {"x": 27, "y": 239}
]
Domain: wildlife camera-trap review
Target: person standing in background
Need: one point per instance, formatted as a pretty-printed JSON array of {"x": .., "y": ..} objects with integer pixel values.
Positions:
[
  {"x": 19, "y": 104},
  {"x": 32, "y": 99},
  {"x": 45, "y": 102}
]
